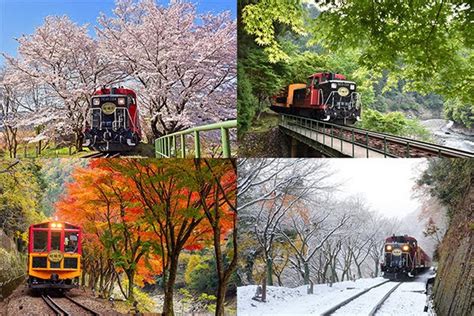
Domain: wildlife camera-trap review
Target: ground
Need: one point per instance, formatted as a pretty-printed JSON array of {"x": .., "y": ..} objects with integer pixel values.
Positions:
[
  {"x": 408, "y": 299},
  {"x": 22, "y": 302},
  {"x": 264, "y": 139}
]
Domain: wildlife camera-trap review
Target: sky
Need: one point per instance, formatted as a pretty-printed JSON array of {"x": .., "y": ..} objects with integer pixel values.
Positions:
[
  {"x": 386, "y": 184},
  {"x": 18, "y": 17}
]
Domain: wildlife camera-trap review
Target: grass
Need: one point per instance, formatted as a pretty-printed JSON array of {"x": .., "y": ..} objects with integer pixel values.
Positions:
[{"x": 267, "y": 120}]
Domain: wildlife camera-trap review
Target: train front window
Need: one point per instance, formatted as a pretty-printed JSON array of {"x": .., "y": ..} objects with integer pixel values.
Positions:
[
  {"x": 120, "y": 119},
  {"x": 95, "y": 118},
  {"x": 71, "y": 241},
  {"x": 40, "y": 242},
  {"x": 55, "y": 240}
]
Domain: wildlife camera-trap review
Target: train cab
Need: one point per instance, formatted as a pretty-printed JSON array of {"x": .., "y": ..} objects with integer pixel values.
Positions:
[{"x": 54, "y": 255}]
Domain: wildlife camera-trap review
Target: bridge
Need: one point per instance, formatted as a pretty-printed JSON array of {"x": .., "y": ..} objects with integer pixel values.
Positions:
[
  {"x": 175, "y": 145},
  {"x": 333, "y": 140}
]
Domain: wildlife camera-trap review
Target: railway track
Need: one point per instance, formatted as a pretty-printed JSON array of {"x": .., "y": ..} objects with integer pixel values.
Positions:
[
  {"x": 352, "y": 303},
  {"x": 67, "y": 306},
  {"x": 386, "y": 144},
  {"x": 102, "y": 155}
]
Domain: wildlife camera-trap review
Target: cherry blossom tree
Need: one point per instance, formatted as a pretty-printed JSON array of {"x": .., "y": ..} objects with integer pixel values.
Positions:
[
  {"x": 62, "y": 59},
  {"x": 183, "y": 64}
]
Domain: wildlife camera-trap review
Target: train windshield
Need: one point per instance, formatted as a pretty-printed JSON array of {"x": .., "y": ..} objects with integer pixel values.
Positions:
[
  {"x": 55, "y": 240},
  {"x": 40, "y": 243},
  {"x": 70, "y": 241}
]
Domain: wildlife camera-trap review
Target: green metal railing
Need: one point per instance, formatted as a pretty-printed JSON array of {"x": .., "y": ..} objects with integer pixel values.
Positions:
[{"x": 174, "y": 145}]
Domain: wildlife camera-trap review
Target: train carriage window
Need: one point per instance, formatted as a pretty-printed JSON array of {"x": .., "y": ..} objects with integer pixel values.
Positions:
[
  {"x": 55, "y": 240},
  {"x": 316, "y": 82},
  {"x": 40, "y": 242},
  {"x": 70, "y": 241}
]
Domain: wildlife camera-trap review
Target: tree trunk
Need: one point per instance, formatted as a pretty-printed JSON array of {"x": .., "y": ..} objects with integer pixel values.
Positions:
[
  {"x": 221, "y": 290},
  {"x": 306, "y": 272},
  {"x": 154, "y": 128},
  {"x": 168, "y": 308},
  {"x": 79, "y": 141},
  {"x": 269, "y": 271},
  {"x": 130, "y": 276}
]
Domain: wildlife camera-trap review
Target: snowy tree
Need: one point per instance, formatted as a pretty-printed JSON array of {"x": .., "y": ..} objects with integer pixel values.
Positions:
[
  {"x": 307, "y": 228},
  {"x": 269, "y": 189},
  {"x": 183, "y": 64}
]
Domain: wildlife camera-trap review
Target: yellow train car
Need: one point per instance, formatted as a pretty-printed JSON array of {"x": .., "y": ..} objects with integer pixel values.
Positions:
[{"x": 54, "y": 255}]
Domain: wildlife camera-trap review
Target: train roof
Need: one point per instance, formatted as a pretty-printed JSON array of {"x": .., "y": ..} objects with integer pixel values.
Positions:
[
  {"x": 400, "y": 238},
  {"x": 45, "y": 224},
  {"x": 336, "y": 75},
  {"x": 117, "y": 91}
]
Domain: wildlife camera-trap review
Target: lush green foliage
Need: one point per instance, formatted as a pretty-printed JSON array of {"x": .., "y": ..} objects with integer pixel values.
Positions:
[
  {"x": 403, "y": 55},
  {"x": 263, "y": 17},
  {"x": 460, "y": 112},
  {"x": 393, "y": 123},
  {"x": 21, "y": 187},
  {"x": 201, "y": 274}
]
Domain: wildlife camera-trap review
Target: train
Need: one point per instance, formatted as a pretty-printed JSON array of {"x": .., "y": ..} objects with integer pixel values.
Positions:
[
  {"x": 326, "y": 96},
  {"x": 114, "y": 122},
  {"x": 403, "y": 258},
  {"x": 54, "y": 255}
]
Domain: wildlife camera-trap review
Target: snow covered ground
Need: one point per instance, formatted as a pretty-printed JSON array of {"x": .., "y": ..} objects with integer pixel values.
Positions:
[{"x": 408, "y": 299}]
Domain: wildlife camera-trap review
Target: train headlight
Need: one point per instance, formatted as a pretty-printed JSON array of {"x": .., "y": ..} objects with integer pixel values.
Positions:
[
  {"x": 96, "y": 101},
  {"x": 405, "y": 248},
  {"x": 121, "y": 101},
  {"x": 389, "y": 248},
  {"x": 333, "y": 86},
  {"x": 352, "y": 87}
]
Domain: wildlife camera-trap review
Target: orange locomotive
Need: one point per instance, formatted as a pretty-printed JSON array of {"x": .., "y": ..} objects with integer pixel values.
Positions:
[{"x": 54, "y": 255}]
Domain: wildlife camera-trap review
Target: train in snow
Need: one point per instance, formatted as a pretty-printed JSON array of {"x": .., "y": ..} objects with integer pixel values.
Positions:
[
  {"x": 326, "y": 96},
  {"x": 114, "y": 122},
  {"x": 403, "y": 258},
  {"x": 54, "y": 255}
]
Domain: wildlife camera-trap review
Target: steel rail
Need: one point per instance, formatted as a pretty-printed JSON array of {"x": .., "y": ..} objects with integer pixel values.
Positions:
[
  {"x": 380, "y": 303},
  {"x": 94, "y": 155},
  {"x": 54, "y": 306},
  {"x": 410, "y": 144},
  {"x": 350, "y": 299},
  {"x": 82, "y": 306}
]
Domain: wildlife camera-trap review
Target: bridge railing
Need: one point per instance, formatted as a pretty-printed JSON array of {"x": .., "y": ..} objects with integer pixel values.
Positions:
[
  {"x": 174, "y": 145},
  {"x": 361, "y": 138}
]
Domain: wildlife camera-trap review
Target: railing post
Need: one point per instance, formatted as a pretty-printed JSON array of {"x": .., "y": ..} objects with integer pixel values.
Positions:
[
  {"x": 332, "y": 137},
  {"x": 183, "y": 146},
  {"x": 385, "y": 147},
  {"x": 353, "y": 140},
  {"x": 197, "y": 145},
  {"x": 342, "y": 136},
  {"x": 317, "y": 131},
  {"x": 408, "y": 150},
  {"x": 225, "y": 142},
  {"x": 367, "y": 143},
  {"x": 173, "y": 146}
]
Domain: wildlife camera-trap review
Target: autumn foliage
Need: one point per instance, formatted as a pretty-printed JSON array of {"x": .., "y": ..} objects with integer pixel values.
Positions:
[{"x": 138, "y": 215}]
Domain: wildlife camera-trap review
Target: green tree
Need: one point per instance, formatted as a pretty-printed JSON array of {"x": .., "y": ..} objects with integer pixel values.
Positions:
[
  {"x": 393, "y": 123},
  {"x": 460, "y": 112},
  {"x": 428, "y": 43}
]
